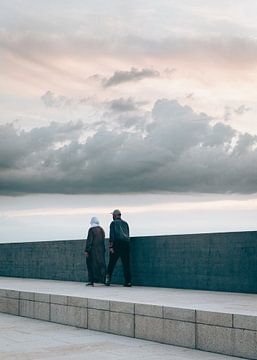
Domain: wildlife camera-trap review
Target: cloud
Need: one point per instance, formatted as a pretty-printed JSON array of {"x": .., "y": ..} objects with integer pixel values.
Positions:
[
  {"x": 245, "y": 144},
  {"x": 242, "y": 109},
  {"x": 189, "y": 96},
  {"x": 227, "y": 51},
  {"x": 48, "y": 45},
  {"x": 20, "y": 149},
  {"x": 42, "y": 58},
  {"x": 227, "y": 113},
  {"x": 133, "y": 74},
  {"x": 50, "y": 100},
  {"x": 169, "y": 72},
  {"x": 59, "y": 101},
  {"x": 172, "y": 149},
  {"x": 123, "y": 105}
]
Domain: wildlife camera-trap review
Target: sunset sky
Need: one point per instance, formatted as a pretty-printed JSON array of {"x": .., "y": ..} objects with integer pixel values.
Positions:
[{"x": 145, "y": 106}]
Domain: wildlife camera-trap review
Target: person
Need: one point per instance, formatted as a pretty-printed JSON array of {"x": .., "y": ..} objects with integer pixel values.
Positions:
[
  {"x": 95, "y": 253},
  {"x": 119, "y": 247}
]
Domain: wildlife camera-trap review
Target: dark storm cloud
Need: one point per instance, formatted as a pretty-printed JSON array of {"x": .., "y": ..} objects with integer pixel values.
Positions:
[
  {"x": 171, "y": 149},
  {"x": 133, "y": 74},
  {"x": 17, "y": 149}
]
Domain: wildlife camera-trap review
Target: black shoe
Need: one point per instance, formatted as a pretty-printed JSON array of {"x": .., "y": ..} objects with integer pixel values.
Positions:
[
  {"x": 128, "y": 284},
  {"x": 107, "y": 281},
  {"x": 90, "y": 283}
]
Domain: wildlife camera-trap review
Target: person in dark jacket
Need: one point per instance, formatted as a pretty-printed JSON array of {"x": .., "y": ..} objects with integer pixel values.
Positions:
[
  {"x": 95, "y": 253},
  {"x": 119, "y": 247}
]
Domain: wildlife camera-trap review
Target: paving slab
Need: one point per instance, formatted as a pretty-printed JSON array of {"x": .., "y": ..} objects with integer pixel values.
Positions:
[{"x": 24, "y": 338}]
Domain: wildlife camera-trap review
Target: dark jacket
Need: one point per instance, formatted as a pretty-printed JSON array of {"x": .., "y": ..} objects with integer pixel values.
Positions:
[{"x": 119, "y": 231}]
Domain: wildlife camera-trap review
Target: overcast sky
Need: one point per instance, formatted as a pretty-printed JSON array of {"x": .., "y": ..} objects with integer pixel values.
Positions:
[{"x": 149, "y": 107}]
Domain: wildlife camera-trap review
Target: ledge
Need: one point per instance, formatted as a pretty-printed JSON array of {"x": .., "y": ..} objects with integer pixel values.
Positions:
[{"x": 229, "y": 333}]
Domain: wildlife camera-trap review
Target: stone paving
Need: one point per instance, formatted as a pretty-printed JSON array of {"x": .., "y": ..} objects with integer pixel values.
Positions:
[
  {"x": 224, "y": 323},
  {"x": 28, "y": 339},
  {"x": 181, "y": 298}
]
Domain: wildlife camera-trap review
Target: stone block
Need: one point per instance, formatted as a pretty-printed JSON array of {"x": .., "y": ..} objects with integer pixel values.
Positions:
[
  {"x": 77, "y": 316},
  {"x": 25, "y": 295},
  {"x": 99, "y": 304},
  {"x": 12, "y": 306},
  {"x": 59, "y": 299},
  {"x": 58, "y": 313},
  {"x": 2, "y": 293},
  {"x": 245, "y": 343},
  {"x": 149, "y": 310},
  {"x": 3, "y": 304},
  {"x": 215, "y": 339},
  {"x": 122, "y": 324},
  {"x": 98, "y": 320},
  {"x": 214, "y": 318},
  {"x": 42, "y": 311},
  {"x": 42, "y": 297},
  {"x": 77, "y": 301},
  {"x": 13, "y": 294},
  {"x": 149, "y": 328},
  {"x": 122, "y": 307},
  {"x": 179, "y": 333},
  {"x": 228, "y": 341},
  {"x": 174, "y": 313},
  {"x": 27, "y": 308},
  {"x": 245, "y": 322}
]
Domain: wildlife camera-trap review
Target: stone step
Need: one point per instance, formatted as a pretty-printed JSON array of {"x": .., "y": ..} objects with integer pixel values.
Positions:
[{"x": 219, "y": 332}]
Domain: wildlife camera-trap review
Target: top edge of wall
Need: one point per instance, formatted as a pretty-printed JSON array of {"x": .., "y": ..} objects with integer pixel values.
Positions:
[{"x": 136, "y": 237}]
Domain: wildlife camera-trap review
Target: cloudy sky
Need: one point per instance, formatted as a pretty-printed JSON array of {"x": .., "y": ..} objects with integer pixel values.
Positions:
[{"x": 144, "y": 106}]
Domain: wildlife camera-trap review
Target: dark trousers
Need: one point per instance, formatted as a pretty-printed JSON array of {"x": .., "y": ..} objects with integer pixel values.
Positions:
[{"x": 121, "y": 250}]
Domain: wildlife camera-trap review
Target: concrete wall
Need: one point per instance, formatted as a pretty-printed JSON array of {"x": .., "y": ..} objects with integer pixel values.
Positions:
[{"x": 219, "y": 261}]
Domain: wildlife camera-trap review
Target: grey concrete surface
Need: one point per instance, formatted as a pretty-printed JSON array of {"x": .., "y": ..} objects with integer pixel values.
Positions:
[
  {"x": 230, "y": 303},
  {"x": 217, "y": 322},
  {"x": 28, "y": 339}
]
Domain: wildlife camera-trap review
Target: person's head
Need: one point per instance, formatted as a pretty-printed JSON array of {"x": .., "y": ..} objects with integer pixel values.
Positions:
[
  {"x": 116, "y": 214},
  {"x": 94, "y": 221}
]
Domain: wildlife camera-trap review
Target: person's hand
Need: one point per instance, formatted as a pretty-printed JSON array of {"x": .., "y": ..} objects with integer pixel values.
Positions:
[
  {"x": 87, "y": 253},
  {"x": 111, "y": 250}
]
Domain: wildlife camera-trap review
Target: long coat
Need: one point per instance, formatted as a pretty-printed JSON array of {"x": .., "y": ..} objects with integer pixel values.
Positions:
[{"x": 95, "y": 246}]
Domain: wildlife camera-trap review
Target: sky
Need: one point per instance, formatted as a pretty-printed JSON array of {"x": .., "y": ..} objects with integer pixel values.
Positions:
[{"x": 143, "y": 106}]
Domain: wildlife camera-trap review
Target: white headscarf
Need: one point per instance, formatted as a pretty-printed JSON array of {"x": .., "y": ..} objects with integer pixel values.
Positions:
[{"x": 94, "y": 222}]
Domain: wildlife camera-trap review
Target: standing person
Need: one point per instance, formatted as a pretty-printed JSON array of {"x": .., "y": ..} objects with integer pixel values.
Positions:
[
  {"x": 119, "y": 247},
  {"x": 95, "y": 253}
]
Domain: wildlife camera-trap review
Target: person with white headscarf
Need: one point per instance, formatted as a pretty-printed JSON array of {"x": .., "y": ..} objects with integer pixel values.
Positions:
[{"x": 95, "y": 253}]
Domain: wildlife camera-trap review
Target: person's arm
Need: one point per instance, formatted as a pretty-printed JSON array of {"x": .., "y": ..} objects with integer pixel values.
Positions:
[
  {"x": 89, "y": 241},
  {"x": 128, "y": 229},
  {"x": 103, "y": 235},
  {"x": 112, "y": 236}
]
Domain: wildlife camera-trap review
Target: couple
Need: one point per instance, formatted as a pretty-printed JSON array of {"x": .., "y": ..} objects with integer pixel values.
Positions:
[{"x": 118, "y": 247}]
